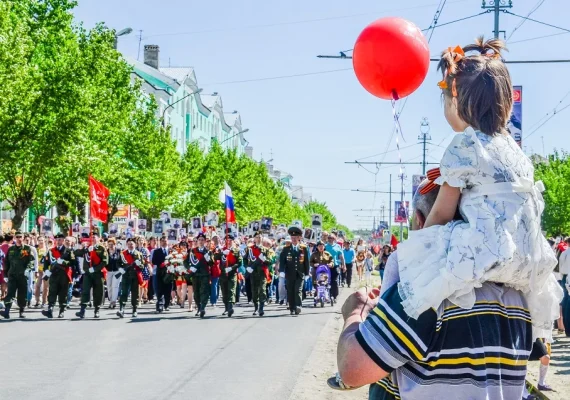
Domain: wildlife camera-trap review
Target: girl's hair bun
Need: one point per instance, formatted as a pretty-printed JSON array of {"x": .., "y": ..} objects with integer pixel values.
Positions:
[{"x": 491, "y": 48}]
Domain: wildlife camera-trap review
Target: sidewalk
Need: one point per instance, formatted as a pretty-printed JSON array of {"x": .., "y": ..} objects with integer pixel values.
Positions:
[
  {"x": 321, "y": 364},
  {"x": 558, "y": 376}
]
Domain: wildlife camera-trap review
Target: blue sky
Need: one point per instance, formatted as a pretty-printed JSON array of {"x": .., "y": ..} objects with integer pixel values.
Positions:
[{"x": 313, "y": 124}]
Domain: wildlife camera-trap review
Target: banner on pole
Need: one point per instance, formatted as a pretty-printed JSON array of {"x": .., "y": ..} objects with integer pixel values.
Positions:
[
  {"x": 401, "y": 208},
  {"x": 515, "y": 123}
]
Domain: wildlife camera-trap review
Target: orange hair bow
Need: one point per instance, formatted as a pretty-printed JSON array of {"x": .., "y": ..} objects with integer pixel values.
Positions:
[
  {"x": 432, "y": 175},
  {"x": 457, "y": 54}
]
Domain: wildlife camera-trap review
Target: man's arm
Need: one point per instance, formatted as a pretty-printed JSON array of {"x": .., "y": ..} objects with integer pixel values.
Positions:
[{"x": 354, "y": 365}]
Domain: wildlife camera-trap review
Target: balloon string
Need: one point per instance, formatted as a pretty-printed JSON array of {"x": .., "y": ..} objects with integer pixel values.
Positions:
[{"x": 397, "y": 125}]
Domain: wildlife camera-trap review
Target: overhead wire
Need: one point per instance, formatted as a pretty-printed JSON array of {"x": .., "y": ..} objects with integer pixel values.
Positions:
[
  {"x": 536, "y": 21},
  {"x": 216, "y": 30},
  {"x": 538, "y": 37},
  {"x": 536, "y": 7}
]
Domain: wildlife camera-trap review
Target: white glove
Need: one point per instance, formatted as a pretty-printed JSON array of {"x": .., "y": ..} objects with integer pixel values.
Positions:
[
  {"x": 138, "y": 262},
  {"x": 228, "y": 270},
  {"x": 207, "y": 257},
  {"x": 226, "y": 252},
  {"x": 6, "y": 280},
  {"x": 91, "y": 270},
  {"x": 262, "y": 257},
  {"x": 121, "y": 271},
  {"x": 90, "y": 248},
  {"x": 249, "y": 269},
  {"x": 46, "y": 273},
  {"x": 60, "y": 260},
  {"x": 193, "y": 269},
  {"x": 282, "y": 274},
  {"x": 306, "y": 278}
]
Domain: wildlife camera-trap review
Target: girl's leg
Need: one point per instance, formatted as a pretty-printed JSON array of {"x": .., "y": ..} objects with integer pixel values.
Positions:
[{"x": 190, "y": 297}]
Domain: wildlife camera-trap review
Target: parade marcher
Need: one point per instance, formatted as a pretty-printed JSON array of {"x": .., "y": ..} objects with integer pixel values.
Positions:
[
  {"x": 349, "y": 255},
  {"x": 231, "y": 260},
  {"x": 95, "y": 261},
  {"x": 161, "y": 288},
  {"x": 320, "y": 257},
  {"x": 215, "y": 270},
  {"x": 257, "y": 268},
  {"x": 41, "y": 285},
  {"x": 198, "y": 262},
  {"x": 294, "y": 261},
  {"x": 58, "y": 268},
  {"x": 281, "y": 289},
  {"x": 336, "y": 252},
  {"x": 113, "y": 282},
  {"x": 131, "y": 272},
  {"x": 19, "y": 260},
  {"x": 33, "y": 272}
]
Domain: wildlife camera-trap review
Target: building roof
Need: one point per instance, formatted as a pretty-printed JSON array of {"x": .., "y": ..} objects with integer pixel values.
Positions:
[
  {"x": 180, "y": 74},
  {"x": 153, "y": 76},
  {"x": 210, "y": 100},
  {"x": 231, "y": 118}
]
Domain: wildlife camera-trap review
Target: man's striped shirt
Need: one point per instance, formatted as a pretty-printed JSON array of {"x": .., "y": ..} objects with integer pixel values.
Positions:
[{"x": 451, "y": 353}]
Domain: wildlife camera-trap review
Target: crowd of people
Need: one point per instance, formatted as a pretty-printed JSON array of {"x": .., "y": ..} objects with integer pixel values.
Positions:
[{"x": 48, "y": 273}]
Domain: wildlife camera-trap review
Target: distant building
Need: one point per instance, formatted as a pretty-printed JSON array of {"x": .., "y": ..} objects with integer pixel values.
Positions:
[{"x": 192, "y": 116}]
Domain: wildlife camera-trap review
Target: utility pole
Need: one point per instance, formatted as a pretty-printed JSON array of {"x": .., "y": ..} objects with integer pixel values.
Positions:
[
  {"x": 497, "y": 6},
  {"x": 140, "y": 41},
  {"x": 543, "y": 152},
  {"x": 424, "y": 137},
  {"x": 390, "y": 206}
]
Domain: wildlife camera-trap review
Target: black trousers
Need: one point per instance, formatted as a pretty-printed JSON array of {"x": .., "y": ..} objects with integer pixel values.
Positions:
[
  {"x": 348, "y": 273},
  {"x": 334, "y": 281},
  {"x": 163, "y": 290},
  {"x": 248, "y": 290}
]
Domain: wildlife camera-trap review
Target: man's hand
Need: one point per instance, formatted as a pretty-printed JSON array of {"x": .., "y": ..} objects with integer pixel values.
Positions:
[
  {"x": 91, "y": 270},
  {"x": 360, "y": 303}
]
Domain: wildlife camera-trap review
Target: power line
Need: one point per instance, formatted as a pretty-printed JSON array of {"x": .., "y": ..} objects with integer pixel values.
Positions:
[
  {"x": 536, "y": 7},
  {"x": 278, "y": 77},
  {"x": 537, "y": 38},
  {"x": 538, "y": 22},
  {"x": 555, "y": 112},
  {"x": 294, "y": 22}
]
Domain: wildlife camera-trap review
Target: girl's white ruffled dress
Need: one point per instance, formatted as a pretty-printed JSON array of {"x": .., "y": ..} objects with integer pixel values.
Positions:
[{"x": 500, "y": 239}]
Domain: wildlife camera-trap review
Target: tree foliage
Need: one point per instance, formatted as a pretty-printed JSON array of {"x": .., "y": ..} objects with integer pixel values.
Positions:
[
  {"x": 69, "y": 109},
  {"x": 555, "y": 174}
]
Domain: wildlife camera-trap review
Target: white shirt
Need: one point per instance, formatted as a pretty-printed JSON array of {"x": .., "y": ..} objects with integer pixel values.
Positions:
[{"x": 564, "y": 262}]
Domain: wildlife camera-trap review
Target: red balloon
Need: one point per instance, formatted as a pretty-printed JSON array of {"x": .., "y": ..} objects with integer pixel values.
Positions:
[{"x": 391, "y": 58}]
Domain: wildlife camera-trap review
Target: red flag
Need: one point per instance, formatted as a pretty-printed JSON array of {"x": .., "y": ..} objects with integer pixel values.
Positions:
[
  {"x": 393, "y": 241},
  {"x": 98, "y": 195}
]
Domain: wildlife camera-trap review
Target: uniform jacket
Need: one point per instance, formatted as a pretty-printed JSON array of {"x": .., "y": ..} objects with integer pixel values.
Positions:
[
  {"x": 68, "y": 257},
  {"x": 295, "y": 263},
  {"x": 18, "y": 260},
  {"x": 198, "y": 258},
  {"x": 233, "y": 260},
  {"x": 96, "y": 259}
]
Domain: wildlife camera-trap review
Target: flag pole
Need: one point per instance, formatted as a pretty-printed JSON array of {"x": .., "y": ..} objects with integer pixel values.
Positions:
[{"x": 226, "y": 210}]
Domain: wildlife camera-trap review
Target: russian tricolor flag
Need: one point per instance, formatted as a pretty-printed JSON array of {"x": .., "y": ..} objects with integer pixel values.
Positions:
[{"x": 230, "y": 210}]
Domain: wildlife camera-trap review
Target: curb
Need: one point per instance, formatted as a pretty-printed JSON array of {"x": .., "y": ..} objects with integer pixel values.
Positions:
[{"x": 534, "y": 391}]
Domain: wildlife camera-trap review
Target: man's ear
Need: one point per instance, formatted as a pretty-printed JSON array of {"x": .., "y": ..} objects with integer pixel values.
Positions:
[{"x": 420, "y": 219}]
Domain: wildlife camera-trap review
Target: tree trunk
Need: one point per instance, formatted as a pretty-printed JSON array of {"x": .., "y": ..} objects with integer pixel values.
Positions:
[
  {"x": 20, "y": 207},
  {"x": 63, "y": 220}
]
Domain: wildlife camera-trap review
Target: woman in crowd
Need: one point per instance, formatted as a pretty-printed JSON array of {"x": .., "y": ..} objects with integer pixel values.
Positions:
[
  {"x": 113, "y": 283},
  {"x": 146, "y": 269},
  {"x": 41, "y": 285},
  {"x": 360, "y": 257}
]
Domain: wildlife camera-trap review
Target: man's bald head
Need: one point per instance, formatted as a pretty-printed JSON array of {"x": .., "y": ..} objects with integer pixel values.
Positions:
[{"x": 422, "y": 204}]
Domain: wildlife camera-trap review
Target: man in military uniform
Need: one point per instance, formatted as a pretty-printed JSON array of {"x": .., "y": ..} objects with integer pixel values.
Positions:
[
  {"x": 258, "y": 267},
  {"x": 58, "y": 268},
  {"x": 19, "y": 261},
  {"x": 198, "y": 263},
  {"x": 131, "y": 263},
  {"x": 95, "y": 261},
  {"x": 294, "y": 261},
  {"x": 231, "y": 261}
]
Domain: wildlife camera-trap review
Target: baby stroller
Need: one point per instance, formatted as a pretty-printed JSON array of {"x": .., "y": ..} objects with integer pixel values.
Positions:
[{"x": 323, "y": 287}]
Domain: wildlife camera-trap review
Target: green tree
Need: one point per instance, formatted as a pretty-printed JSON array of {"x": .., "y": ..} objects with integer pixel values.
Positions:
[{"x": 555, "y": 174}]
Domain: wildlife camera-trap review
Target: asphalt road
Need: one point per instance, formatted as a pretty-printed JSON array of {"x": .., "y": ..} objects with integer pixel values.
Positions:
[{"x": 171, "y": 356}]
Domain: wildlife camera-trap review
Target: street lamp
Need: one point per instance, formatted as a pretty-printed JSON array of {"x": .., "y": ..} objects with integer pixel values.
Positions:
[
  {"x": 122, "y": 32},
  {"x": 178, "y": 101},
  {"x": 233, "y": 136}
]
